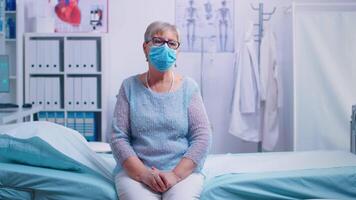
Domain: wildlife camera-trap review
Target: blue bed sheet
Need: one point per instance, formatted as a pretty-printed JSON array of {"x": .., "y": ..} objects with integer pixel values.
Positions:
[
  {"x": 329, "y": 183},
  {"x": 15, "y": 193},
  {"x": 44, "y": 183}
]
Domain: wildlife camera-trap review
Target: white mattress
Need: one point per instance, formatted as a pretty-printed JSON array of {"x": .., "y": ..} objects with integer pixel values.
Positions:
[{"x": 217, "y": 165}]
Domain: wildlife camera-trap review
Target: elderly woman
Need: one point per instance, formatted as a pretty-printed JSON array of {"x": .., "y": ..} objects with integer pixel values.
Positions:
[{"x": 161, "y": 130}]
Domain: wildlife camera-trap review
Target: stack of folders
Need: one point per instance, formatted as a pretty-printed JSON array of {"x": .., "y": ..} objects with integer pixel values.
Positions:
[
  {"x": 44, "y": 56},
  {"x": 55, "y": 117},
  {"x": 84, "y": 123},
  {"x": 81, "y": 93},
  {"x": 45, "y": 91},
  {"x": 81, "y": 56}
]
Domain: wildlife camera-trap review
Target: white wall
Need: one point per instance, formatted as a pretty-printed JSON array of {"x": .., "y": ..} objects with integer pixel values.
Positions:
[{"x": 127, "y": 23}]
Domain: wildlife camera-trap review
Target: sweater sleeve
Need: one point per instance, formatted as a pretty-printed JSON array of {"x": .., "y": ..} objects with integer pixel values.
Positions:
[
  {"x": 120, "y": 139},
  {"x": 199, "y": 130}
]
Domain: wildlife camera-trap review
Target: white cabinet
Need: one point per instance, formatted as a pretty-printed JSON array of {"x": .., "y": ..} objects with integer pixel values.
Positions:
[
  {"x": 64, "y": 75},
  {"x": 11, "y": 42}
]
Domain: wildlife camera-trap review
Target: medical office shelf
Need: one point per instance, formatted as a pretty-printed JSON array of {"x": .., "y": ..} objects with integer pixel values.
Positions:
[
  {"x": 13, "y": 47},
  {"x": 66, "y": 42}
]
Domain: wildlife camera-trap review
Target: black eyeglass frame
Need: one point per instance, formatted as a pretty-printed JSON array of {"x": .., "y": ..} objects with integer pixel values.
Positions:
[{"x": 164, "y": 42}]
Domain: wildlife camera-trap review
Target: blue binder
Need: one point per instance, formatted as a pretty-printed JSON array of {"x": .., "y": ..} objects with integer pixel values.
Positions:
[
  {"x": 42, "y": 116},
  {"x": 89, "y": 126},
  {"x": 71, "y": 120},
  {"x": 79, "y": 122},
  {"x": 60, "y": 118}
]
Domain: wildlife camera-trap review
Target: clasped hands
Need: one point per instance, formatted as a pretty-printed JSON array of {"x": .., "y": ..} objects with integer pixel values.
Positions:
[{"x": 159, "y": 181}]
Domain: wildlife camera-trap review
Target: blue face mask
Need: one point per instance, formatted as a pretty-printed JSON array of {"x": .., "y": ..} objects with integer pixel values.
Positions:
[{"x": 162, "y": 57}]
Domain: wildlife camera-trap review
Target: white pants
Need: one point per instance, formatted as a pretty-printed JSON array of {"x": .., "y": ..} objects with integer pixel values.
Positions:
[{"x": 187, "y": 189}]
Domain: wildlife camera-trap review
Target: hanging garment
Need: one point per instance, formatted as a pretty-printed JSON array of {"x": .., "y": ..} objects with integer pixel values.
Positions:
[
  {"x": 245, "y": 116},
  {"x": 271, "y": 92}
]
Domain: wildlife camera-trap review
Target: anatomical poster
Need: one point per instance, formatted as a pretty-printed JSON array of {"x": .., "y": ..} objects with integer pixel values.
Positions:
[
  {"x": 206, "y": 25},
  {"x": 81, "y": 15}
]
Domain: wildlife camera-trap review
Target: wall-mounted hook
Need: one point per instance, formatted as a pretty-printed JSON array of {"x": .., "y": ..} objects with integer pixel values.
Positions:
[{"x": 253, "y": 7}]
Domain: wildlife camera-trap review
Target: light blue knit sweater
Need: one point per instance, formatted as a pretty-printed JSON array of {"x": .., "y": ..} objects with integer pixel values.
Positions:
[{"x": 160, "y": 128}]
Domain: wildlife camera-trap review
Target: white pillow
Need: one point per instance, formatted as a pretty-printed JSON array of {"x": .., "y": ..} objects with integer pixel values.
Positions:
[{"x": 64, "y": 148}]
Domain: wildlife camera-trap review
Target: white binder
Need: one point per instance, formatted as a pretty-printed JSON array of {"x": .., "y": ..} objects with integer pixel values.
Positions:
[
  {"x": 77, "y": 56},
  {"x": 54, "y": 55},
  {"x": 77, "y": 93},
  {"x": 69, "y": 56},
  {"x": 40, "y": 57},
  {"x": 85, "y": 93},
  {"x": 84, "y": 56},
  {"x": 48, "y": 93},
  {"x": 46, "y": 53},
  {"x": 92, "y": 55},
  {"x": 88, "y": 55},
  {"x": 40, "y": 92},
  {"x": 32, "y": 56},
  {"x": 93, "y": 92},
  {"x": 33, "y": 91},
  {"x": 69, "y": 90},
  {"x": 56, "y": 93}
]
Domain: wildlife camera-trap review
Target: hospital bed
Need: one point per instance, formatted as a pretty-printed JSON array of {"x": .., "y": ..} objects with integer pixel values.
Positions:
[{"x": 284, "y": 175}]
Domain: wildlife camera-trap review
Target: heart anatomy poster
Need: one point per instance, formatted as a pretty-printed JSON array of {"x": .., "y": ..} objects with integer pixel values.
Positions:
[
  {"x": 206, "y": 25},
  {"x": 81, "y": 15}
]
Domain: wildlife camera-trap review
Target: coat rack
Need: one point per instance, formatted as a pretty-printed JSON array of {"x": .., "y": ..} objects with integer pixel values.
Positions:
[{"x": 262, "y": 17}]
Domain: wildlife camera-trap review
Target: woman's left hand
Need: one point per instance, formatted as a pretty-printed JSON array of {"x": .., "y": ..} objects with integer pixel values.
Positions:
[{"x": 169, "y": 178}]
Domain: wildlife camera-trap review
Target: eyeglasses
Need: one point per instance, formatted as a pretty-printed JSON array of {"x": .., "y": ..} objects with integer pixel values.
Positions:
[{"x": 157, "y": 41}]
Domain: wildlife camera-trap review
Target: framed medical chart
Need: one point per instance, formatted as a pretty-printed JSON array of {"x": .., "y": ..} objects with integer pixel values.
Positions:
[
  {"x": 206, "y": 25},
  {"x": 81, "y": 16}
]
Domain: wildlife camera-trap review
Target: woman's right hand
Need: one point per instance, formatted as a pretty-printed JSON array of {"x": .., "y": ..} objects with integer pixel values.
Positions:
[{"x": 152, "y": 179}]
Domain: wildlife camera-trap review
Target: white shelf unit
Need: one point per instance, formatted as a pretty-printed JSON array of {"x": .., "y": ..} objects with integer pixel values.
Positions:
[
  {"x": 73, "y": 64},
  {"x": 13, "y": 48}
]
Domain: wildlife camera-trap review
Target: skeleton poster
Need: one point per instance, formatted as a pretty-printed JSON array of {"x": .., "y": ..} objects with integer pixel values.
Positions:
[{"x": 206, "y": 25}]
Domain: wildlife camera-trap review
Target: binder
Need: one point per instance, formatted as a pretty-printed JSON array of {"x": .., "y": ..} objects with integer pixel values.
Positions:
[
  {"x": 79, "y": 122},
  {"x": 33, "y": 91},
  {"x": 40, "y": 90},
  {"x": 77, "y": 56},
  {"x": 59, "y": 118},
  {"x": 89, "y": 126},
  {"x": 70, "y": 56},
  {"x": 42, "y": 116},
  {"x": 71, "y": 120},
  {"x": 32, "y": 56},
  {"x": 85, "y": 93},
  {"x": 39, "y": 56},
  {"x": 48, "y": 93},
  {"x": 51, "y": 117},
  {"x": 92, "y": 55},
  {"x": 77, "y": 93},
  {"x": 55, "y": 93},
  {"x": 69, "y": 98},
  {"x": 89, "y": 55},
  {"x": 84, "y": 56},
  {"x": 46, "y": 55},
  {"x": 54, "y": 56},
  {"x": 93, "y": 84}
]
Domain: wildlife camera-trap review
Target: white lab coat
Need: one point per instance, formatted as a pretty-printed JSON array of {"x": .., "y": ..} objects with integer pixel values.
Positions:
[
  {"x": 271, "y": 91},
  {"x": 245, "y": 115}
]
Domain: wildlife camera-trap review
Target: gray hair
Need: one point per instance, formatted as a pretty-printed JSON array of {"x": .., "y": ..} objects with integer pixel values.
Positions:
[{"x": 159, "y": 27}]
